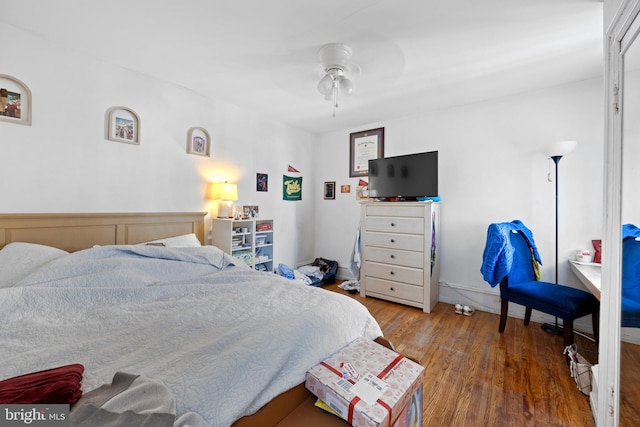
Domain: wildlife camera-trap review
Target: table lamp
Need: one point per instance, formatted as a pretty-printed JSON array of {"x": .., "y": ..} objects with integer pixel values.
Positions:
[{"x": 226, "y": 194}]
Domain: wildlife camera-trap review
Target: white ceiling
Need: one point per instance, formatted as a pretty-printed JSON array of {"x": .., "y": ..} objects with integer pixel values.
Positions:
[{"x": 415, "y": 55}]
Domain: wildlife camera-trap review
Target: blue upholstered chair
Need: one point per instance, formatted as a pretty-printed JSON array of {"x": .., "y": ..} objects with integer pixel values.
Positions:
[
  {"x": 514, "y": 256},
  {"x": 630, "y": 276}
]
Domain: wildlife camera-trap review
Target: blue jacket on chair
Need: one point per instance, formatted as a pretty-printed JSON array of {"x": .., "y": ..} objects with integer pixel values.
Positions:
[{"x": 497, "y": 259}]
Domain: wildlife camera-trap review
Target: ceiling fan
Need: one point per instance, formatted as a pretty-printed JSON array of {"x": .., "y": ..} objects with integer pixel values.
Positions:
[{"x": 336, "y": 63}]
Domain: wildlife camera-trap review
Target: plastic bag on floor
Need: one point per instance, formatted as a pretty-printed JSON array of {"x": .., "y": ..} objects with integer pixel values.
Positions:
[
  {"x": 580, "y": 369},
  {"x": 353, "y": 286}
]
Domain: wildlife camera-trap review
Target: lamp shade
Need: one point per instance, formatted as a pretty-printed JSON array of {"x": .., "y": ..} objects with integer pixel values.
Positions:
[
  {"x": 560, "y": 148},
  {"x": 325, "y": 85},
  {"x": 224, "y": 191},
  {"x": 346, "y": 87}
]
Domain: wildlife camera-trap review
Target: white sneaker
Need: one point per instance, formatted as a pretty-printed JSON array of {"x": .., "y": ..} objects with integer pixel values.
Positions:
[
  {"x": 459, "y": 308},
  {"x": 467, "y": 310}
]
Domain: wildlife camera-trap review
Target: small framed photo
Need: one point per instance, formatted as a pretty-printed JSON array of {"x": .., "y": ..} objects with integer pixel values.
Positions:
[
  {"x": 123, "y": 125},
  {"x": 362, "y": 192},
  {"x": 330, "y": 190},
  {"x": 198, "y": 142},
  {"x": 250, "y": 211},
  {"x": 262, "y": 182},
  {"x": 345, "y": 189},
  {"x": 15, "y": 101},
  {"x": 364, "y": 146}
]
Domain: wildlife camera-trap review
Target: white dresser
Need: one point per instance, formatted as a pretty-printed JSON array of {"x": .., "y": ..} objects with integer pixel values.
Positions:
[{"x": 400, "y": 251}]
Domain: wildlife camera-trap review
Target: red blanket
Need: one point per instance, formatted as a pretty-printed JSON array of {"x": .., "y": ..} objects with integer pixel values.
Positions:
[{"x": 57, "y": 385}]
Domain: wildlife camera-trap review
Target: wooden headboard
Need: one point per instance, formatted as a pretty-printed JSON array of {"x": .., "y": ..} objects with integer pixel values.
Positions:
[{"x": 77, "y": 231}]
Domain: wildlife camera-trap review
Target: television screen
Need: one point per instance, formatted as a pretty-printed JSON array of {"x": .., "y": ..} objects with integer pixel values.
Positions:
[{"x": 404, "y": 177}]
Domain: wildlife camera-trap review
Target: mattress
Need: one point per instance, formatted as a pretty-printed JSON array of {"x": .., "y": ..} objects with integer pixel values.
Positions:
[{"x": 225, "y": 339}]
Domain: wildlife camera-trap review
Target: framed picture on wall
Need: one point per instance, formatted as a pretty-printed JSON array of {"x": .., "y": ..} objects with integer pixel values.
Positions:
[
  {"x": 262, "y": 182},
  {"x": 330, "y": 190},
  {"x": 123, "y": 125},
  {"x": 198, "y": 141},
  {"x": 364, "y": 146},
  {"x": 15, "y": 101}
]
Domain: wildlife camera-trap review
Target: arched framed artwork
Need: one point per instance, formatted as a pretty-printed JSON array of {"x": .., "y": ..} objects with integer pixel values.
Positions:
[
  {"x": 15, "y": 101},
  {"x": 123, "y": 125},
  {"x": 198, "y": 142}
]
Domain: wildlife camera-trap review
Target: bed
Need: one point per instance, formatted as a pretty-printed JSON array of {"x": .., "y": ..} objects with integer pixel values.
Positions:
[{"x": 231, "y": 344}]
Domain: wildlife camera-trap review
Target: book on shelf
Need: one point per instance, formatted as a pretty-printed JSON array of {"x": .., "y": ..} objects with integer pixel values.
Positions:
[{"x": 244, "y": 256}]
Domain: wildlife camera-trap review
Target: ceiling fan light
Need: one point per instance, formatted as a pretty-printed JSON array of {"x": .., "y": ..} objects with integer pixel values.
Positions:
[
  {"x": 334, "y": 54},
  {"x": 335, "y": 59},
  {"x": 325, "y": 84},
  {"x": 346, "y": 86}
]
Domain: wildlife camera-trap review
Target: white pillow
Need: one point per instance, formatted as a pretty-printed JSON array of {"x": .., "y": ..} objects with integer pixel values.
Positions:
[
  {"x": 18, "y": 259},
  {"x": 184, "y": 241}
]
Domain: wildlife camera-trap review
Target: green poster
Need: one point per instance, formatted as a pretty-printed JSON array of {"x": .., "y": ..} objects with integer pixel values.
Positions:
[{"x": 291, "y": 188}]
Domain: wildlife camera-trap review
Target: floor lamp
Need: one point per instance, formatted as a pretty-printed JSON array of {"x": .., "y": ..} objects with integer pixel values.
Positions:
[{"x": 556, "y": 151}]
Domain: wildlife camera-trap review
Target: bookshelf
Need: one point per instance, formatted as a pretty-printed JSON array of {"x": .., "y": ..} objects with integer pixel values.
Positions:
[{"x": 250, "y": 240}]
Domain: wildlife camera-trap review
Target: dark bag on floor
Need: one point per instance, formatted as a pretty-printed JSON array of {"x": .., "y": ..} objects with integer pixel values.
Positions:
[{"x": 328, "y": 267}]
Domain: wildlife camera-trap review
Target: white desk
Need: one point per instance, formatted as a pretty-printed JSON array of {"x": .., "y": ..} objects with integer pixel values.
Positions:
[{"x": 590, "y": 274}]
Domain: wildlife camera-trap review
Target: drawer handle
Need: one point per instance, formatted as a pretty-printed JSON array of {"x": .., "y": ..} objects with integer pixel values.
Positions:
[
  {"x": 393, "y": 256},
  {"x": 391, "y": 289},
  {"x": 392, "y": 273},
  {"x": 393, "y": 224},
  {"x": 393, "y": 241}
]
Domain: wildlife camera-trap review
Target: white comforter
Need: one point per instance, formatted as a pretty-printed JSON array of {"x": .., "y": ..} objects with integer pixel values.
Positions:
[{"x": 224, "y": 339}]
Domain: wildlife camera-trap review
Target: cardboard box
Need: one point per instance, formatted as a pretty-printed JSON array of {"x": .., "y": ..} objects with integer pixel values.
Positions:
[
  {"x": 368, "y": 385},
  {"x": 411, "y": 415},
  {"x": 308, "y": 414}
]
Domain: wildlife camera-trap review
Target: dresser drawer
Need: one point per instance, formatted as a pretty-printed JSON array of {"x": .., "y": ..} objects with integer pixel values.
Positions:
[
  {"x": 409, "y": 242},
  {"x": 395, "y": 257},
  {"x": 394, "y": 225},
  {"x": 413, "y": 276},
  {"x": 394, "y": 289},
  {"x": 395, "y": 209}
]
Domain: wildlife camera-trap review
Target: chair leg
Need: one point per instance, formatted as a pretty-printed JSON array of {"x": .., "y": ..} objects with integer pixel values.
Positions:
[
  {"x": 504, "y": 308},
  {"x": 527, "y": 315},
  {"x": 567, "y": 331}
]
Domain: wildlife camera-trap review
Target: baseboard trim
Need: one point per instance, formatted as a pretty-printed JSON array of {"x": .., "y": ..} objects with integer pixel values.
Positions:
[
  {"x": 343, "y": 273},
  {"x": 489, "y": 300}
]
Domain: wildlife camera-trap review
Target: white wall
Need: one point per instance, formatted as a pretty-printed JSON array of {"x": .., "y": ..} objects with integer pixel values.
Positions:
[
  {"x": 63, "y": 162},
  {"x": 492, "y": 168},
  {"x": 610, "y": 9},
  {"x": 491, "y": 164},
  {"x": 631, "y": 149}
]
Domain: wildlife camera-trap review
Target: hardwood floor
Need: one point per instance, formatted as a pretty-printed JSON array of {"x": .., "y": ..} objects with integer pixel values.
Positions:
[
  {"x": 476, "y": 376},
  {"x": 629, "y": 385}
]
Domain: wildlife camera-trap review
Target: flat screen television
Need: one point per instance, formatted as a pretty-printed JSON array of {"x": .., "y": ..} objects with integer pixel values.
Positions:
[{"x": 404, "y": 177}]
